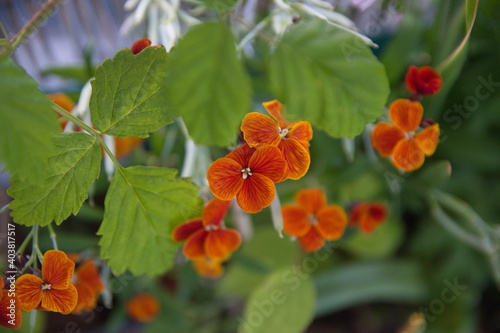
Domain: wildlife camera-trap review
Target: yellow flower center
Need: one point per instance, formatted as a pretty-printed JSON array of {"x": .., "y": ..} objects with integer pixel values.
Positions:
[
  {"x": 245, "y": 172},
  {"x": 312, "y": 219},
  {"x": 282, "y": 132},
  {"x": 409, "y": 135},
  {"x": 46, "y": 286}
]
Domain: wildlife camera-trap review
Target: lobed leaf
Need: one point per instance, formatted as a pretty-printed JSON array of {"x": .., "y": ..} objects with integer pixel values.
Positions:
[
  {"x": 75, "y": 165},
  {"x": 328, "y": 77},
  {"x": 129, "y": 94},
  {"x": 142, "y": 206},
  {"x": 209, "y": 85}
]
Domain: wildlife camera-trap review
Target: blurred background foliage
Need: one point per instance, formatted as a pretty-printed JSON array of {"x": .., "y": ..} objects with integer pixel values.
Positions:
[{"x": 394, "y": 280}]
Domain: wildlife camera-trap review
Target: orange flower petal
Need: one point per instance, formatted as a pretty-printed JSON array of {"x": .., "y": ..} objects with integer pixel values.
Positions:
[
  {"x": 268, "y": 161},
  {"x": 357, "y": 212},
  {"x": 424, "y": 80},
  {"x": 62, "y": 100},
  {"x": 63, "y": 301},
  {"x": 332, "y": 221},
  {"x": 407, "y": 155},
  {"x": 297, "y": 158},
  {"x": 242, "y": 155},
  {"x": 29, "y": 291},
  {"x": 225, "y": 178},
  {"x": 302, "y": 132},
  {"x": 375, "y": 214},
  {"x": 9, "y": 317},
  {"x": 209, "y": 267},
  {"x": 195, "y": 245},
  {"x": 123, "y": 146},
  {"x": 87, "y": 298},
  {"x": 311, "y": 200},
  {"x": 406, "y": 114},
  {"x": 140, "y": 45},
  {"x": 57, "y": 269},
  {"x": 220, "y": 243},
  {"x": 215, "y": 211},
  {"x": 185, "y": 230},
  {"x": 88, "y": 273},
  {"x": 275, "y": 109},
  {"x": 143, "y": 307},
  {"x": 295, "y": 220},
  {"x": 385, "y": 137},
  {"x": 260, "y": 129},
  {"x": 312, "y": 241},
  {"x": 428, "y": 139},
  {"x": 256, "y": 193}
]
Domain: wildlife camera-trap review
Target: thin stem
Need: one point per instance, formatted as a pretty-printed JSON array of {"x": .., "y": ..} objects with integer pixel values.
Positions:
[
  {"x": 53, "y": 236},
  {"x": 35, "y": 21},
  {"x": 4, "y": 208},
  {"x": 25, "y": 242},
  {"x": 191, "y": 149}
]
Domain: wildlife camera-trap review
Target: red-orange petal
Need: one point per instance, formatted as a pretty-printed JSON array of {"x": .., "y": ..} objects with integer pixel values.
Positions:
[
  {"x": 260, "y": 129},
  {"x": 195, "y": 245},
  {"x": 88, "y": 273},
  {"x": 209, "y": 267},
  {"x": 63, "y": 301},
  {"x": 185, "y": 230},
  {"x": 268, "y": 161},
  {"x": 275, "y": 109},
  {"x": 312, "y": 241},
  {"x": 57, "y": 269},
  {"x": 357, "y": 212},
  {"x": 87, "y": 298},
  {"x": 256, "y": 193},
  {"x": 29, "y": 291},
  {"x": 221, "y": 242},
  {"x": 297, "y": 158},
  {"x": 225, "y": 178},
  {"x": 215, "y": 211},
  {"x": 302, "y": 132},
  {"x": 406, "y": 114},
  {"x": 10, "y": 311},
  {"x": 385, "y": 137},
  {"x": 375, "y": 214},
  {"x": 311, "y": 200},
  {"x": 295, "y": 220},
  {"x": 242, "y": 155},
  {"x": 140, "y": 45},
  {"x": 332, "y": 221},
  {"x": 407, "y": 155},
  {"x": 143, "y": 308},
  {"x": 424, "y": 80},
  {"x": 428, "y": 139},
  {"x": 123, "y": 146}
]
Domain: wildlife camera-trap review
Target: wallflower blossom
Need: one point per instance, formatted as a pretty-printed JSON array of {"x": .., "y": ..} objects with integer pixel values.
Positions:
[
  {"x": 249, "y": 174},
  {"x": 312, "y": 221},
  {"x": 88, "y": 284},
  {"x": 211, "y": 268},
  {"x": 143, "y": 307},
  {"x": 10, "y": 312},
  {"x": 206, "y": 236},
  {"x": 292, "y": 139},
  {"x": 368, "y": 215},
  {"x": 423, "y": 80},
  {"x": 401, "y": 140},
  {"x": 52, "y": 292}
]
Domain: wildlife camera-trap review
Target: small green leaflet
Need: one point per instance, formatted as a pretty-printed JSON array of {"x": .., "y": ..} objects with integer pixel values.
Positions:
[
  {"x": 284, "y": 302},
  {"x": 129, "y": 94},
  {"x": 208, "y": 84},
  {"x": 27, "y": 122},
  {"x": 72, "y": 169},
  {"x": 142, "y": 206},
  {"x": 328, "y": 77}
]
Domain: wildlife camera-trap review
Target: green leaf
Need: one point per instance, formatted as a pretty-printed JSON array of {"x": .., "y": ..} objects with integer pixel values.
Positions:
[
  {"x": 142, "y": 206},
  {"x": 284, "y": 302},
  {"x": 128, "y": 94},
  {"x": 75, "y": 165},
  {"x": 328, "y": 77},
  {"x": 220, "y": 5},
  {"x": 361, "y": 282},
  {"x": 209, "y": 84},
  {"x": 27, "y": 122}
]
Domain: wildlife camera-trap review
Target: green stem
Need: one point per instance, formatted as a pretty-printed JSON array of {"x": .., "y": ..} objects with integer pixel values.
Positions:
[
  {"x": 4, "y": 208},
  {"x": 35, "y": 21},
  {"x": 52, "y": 236},
  {"x": 25, "y": 242}
]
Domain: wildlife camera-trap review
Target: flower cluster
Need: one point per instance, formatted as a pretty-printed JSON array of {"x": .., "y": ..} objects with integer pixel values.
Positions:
[
  {"x": 409, "y": 139},
  {"x": 143, "y": 307},
  {"x": 88, "y": 284}
]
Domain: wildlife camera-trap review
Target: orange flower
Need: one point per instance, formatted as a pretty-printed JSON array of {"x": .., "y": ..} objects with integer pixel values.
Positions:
[
  {"x": 407, "y": 147},
  {"x": 10, "y": 311},
  {"x": 423, "y": 81},
  {"x": 292, "y": 139},
  {"x": 88, "y": 284},
  {"x": 143, "y": 307},
  {"x": 312, "y": 221},
  {"x": 368, "y": 215},
  {"x": 249, "y": 174},
  {"x": 205, "y": 236},
  {"x": 52, "y": 292},
  {"x": 123, "y": 146},
  {"x": 140, "y": 45},
  {"x": 209, "y": 267}
]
